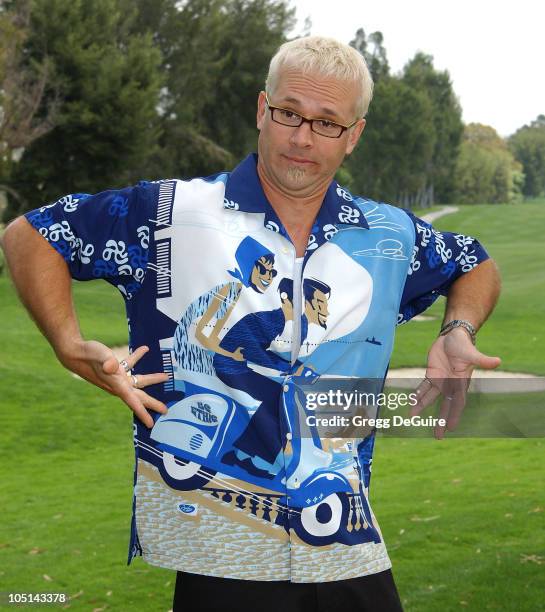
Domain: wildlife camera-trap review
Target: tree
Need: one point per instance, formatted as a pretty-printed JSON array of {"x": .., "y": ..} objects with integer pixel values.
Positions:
[
  {"x": 188, "y": 36},
  {"x": 396, "y": 147},
  {"x": 486, "y": 171},
  {"x": 409, "y": 147},
  {"x": 528, "y": 146},
  {"x": 215, "y": 58},
  {"x": 420, "y": 74},
  {"x": 24, "y": 117},
  {"x": 373, "y": 51},
  {"x": 387, "y": 164},
  {"x": 251, "y": 32},
  {"x": 109, "y": 86}
]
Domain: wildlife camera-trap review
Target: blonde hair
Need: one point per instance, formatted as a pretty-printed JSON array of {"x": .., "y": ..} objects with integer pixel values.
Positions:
[{"x": 325, "y": 57}]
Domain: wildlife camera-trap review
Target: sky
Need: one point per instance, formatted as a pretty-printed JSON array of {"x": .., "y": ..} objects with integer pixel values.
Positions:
[{"x": 494, "y": 51}]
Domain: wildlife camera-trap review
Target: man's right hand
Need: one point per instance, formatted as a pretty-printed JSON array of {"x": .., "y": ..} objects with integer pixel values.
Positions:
[
  {"x": 97, "y": 363},
  {"x": 43, "y": 282}
]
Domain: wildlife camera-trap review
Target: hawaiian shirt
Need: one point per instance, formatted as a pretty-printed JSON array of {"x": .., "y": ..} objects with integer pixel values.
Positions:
[{"x": 228, "y": 483}]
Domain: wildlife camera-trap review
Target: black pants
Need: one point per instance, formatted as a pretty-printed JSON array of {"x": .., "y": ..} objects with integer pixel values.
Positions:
[{"x": 374, "y": 593}]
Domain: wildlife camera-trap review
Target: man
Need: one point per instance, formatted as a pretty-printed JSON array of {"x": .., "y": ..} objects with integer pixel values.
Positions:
[{"x": 304, "y": 540}]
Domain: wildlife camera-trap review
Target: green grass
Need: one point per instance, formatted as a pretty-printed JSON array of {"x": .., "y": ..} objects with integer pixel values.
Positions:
[
  {"x": 463, "y": 522},
  {"x": 67, "y": 458},
  {"x": 463, "y": 518},
  {"x": 513, "y": 236}
]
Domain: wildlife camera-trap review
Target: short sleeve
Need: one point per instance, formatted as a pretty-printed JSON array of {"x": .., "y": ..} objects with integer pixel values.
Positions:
[
  {"x": 438, "y": 259},
  {"x": 105, "y": 235}
]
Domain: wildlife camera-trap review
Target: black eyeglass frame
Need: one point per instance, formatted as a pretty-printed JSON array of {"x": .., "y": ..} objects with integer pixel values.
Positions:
[{"x": 307, "y": 120}]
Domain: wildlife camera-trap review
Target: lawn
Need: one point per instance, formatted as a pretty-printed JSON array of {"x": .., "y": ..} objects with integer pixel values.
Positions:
[
  {"x": 513, "y": 236},
  {"x": 463, "y": 518}
]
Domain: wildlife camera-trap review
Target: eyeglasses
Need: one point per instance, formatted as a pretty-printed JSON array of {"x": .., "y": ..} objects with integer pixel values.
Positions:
[
  {"x": 326, "y": 128},
  {"x": 263, "y": 270}
]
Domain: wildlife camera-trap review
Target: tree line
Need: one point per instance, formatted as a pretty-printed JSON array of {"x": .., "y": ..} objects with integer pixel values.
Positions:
[{"x": 101, "y": 94}]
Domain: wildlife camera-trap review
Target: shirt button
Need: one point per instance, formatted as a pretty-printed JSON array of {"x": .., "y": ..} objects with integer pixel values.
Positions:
[
  {"x": 296, "y": 485},
  {"x": 285, "y": 250},
  {"x": 288, "y": 436},
  {"x": 286, "y": 388}
]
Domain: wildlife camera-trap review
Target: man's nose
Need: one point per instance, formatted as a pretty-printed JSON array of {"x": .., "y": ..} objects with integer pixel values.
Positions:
[{"x": 302, "y": 136}]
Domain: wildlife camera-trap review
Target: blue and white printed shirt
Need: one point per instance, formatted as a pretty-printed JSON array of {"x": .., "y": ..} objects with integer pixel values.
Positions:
[{"x": 227, "y": 484}]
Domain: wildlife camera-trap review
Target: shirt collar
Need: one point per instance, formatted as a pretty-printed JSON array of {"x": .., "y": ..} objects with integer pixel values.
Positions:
[{"x": 243, "y": 192}]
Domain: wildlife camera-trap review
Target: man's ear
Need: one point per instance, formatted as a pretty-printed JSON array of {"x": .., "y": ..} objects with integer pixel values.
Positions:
[
  {"x": 261, "y": 109},
  {"x": 354, "y": 136}
]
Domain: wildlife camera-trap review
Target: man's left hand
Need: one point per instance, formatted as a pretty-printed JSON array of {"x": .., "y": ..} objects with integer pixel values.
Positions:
[{"x": 451, "y": 361}]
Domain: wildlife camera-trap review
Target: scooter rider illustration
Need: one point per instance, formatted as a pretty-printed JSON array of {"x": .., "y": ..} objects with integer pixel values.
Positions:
[
  {"x": 257, "y": 450},
  {"x": 255, "y": 272},
  {"x": 207, "y": 433}
]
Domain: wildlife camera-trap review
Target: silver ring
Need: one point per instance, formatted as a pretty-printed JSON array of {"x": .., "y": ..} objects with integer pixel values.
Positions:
[
  {"x": 123, "y": 363},
  {"x": 449, "y": 398},
  {"x": 134, "y": 380}
]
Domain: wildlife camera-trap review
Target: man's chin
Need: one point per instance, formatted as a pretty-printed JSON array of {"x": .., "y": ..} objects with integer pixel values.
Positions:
[{"x": 296, "y": 176}]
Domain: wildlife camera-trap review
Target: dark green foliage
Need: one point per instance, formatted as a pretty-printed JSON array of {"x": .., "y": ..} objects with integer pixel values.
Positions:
[
  {"x": 373, "y": 51},
  {"x": 148, "y": 88},
  {"x": 528, "y": 146},
  {"x": 411, "y": 141},
  {"x": 446, "y": 115},
  {"x": 185, "y": 153},
  {"x": 109, "y": 81},
  {"x": 390, "y": 162},
  {"x": 215, "y": 59},
  {"x": 251, "y": 32}
]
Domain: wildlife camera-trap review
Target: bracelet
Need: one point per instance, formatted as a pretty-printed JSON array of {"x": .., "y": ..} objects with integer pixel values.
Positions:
[{"x": 459, "y": 323}]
